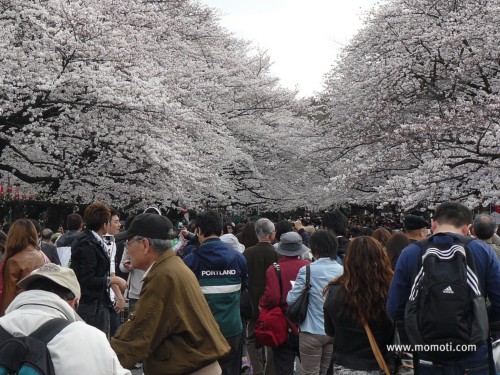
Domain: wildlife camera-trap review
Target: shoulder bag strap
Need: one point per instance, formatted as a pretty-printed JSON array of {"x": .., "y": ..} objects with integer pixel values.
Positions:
[
  {"x": 308, "y": 276},
  {"x": 376, "y": 350},
  {"x": 278, "y": 273}
]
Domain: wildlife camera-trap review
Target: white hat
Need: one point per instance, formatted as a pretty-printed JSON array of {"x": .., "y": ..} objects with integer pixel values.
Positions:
[
  {"x": 62, "y": 276},
  {"x": 232, "y": 240}
]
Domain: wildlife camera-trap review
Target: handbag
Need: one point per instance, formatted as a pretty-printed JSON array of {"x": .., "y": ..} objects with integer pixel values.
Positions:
[
  {"x": 297, "y": 311},
  {"x": 376, "y": 351},
  {"x": 271, "y": 326}
]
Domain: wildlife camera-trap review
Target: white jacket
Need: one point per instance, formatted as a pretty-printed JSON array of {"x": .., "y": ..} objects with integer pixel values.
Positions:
[{"x": 79, "y": 349}]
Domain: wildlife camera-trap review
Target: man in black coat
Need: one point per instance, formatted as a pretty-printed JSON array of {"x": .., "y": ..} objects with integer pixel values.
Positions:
[{"x": 91, "y": 263}]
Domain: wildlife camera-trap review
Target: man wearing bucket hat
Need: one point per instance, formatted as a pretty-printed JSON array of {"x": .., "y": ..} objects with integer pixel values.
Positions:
[
  {"x": 53, "y": 292},
  {"x": 290, "y": 248},
  {"x": 172, "y": 330}
]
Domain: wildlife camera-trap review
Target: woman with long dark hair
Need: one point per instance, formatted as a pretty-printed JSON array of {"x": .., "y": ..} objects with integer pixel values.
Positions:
[
  {"x": 382, "y": 235},
  {"x": 357, "y": 297},
  {"x": 248, "y": 237},
  {"x": 395, "y": 246}
]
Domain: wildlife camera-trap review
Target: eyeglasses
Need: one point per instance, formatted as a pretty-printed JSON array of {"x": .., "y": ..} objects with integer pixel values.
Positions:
[{"x": 130, "y": 240}]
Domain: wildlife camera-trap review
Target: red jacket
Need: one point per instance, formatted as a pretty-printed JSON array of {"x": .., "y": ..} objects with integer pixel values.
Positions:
[{"x": 272, "y": 297}]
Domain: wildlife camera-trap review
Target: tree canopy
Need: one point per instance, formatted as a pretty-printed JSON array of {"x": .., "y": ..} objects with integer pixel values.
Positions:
[
  {"x": 412, "y": 106},
  {"x": 139, "y": 101}
]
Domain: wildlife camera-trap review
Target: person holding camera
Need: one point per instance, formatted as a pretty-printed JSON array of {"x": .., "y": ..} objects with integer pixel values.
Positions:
[{"x": 299, "y": 228}]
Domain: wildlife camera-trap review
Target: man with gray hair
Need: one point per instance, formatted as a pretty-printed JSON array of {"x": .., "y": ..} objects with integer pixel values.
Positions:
[
  {"x": 172, "y": 330},
  {"x": 484, "y": 228},
  {"x": 259, "y": 258}
]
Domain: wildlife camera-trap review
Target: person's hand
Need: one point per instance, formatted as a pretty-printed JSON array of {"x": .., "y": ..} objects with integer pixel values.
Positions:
[
  {"x": 128, "y": 266},
  {"x": 297, "y": 224},
  {"x": 119, "y": 304},
  {"x": 122, "y": 284}
]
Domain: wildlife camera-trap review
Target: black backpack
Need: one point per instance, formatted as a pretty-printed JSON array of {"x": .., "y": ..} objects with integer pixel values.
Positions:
[
  {"x": 446, "y": 307},
  {"x": 28, "y": 355}
]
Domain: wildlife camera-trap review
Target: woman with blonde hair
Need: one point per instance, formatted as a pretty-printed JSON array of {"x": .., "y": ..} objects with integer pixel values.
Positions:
[
  {"x": 21, "y": 256},
  {"x": 357, "y": 297}
]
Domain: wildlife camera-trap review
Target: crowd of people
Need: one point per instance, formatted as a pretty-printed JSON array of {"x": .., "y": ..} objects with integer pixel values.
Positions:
[{"x": 187, "y": 299}]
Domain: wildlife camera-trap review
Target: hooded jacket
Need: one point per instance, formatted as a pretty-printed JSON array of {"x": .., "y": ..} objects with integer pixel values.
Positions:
[
  {"x": 222, "y": 274},
  {"x": 32, "y": 308}
]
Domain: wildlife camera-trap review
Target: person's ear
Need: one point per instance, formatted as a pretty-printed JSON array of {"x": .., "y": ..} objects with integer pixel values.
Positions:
[
  {"x": 147, "y": 245},
  {"x": 74, "y": 303},
  {"x": 433, "y": 225}
]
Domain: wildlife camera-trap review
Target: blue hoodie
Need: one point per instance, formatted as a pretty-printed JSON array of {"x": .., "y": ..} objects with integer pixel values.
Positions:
[{"x": 222, "y": 274}]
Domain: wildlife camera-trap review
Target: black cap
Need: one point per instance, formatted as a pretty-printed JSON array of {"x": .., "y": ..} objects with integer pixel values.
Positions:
[
  {"x": 148, "y": 225},
  {"x": 413, "y": 222}
]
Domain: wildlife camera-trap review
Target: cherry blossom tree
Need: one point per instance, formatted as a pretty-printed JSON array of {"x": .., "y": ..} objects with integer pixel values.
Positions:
[
  {"x": 137, "y": 102},
  {"x": 412, "y": 106}
]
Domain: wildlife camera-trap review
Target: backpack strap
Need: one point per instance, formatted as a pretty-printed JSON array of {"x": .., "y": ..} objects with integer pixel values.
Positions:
[
  {"x": 4, "y": 335},
  {"x": 50, "y": 329}
]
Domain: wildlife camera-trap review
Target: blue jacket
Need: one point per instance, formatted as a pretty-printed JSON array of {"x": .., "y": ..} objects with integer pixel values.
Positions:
[
  {"x": 222, "y": 274},
  {"x": 323, "y": 270},
  {"x": 488, "y": 273}
]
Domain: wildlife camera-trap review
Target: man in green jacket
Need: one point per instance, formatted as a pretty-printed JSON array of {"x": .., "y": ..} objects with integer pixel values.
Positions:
[{"x": 172, "y": 329}]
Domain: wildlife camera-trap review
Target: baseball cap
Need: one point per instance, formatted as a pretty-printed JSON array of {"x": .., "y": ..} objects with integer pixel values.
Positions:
[
  {"x": 62, "y": 276},
  {"x": 148, "y": 225}
]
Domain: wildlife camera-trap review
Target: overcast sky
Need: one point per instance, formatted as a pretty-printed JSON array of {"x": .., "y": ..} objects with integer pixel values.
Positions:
[{"x": 301, "y": 36}]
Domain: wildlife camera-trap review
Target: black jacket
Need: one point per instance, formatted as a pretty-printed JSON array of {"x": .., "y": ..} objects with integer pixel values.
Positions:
[
  {"x": 352, "y": 347},
  {"x": 51, "y": 252},
  {"x": 91, "y": 265},
  {"x": 67, "y": 238}
]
